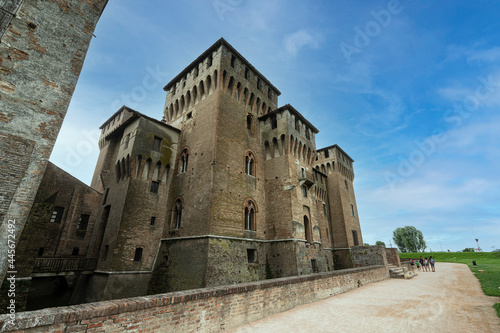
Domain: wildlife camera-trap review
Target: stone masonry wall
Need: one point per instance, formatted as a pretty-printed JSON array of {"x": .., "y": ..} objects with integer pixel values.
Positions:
[
  {"x": 363, "y": 256},
  {"x": 41, "y": 54},
  {"x": 207, "y": 310}
]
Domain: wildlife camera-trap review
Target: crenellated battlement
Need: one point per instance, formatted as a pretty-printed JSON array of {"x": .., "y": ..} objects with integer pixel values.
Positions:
[
  {"x": 285, "y": 130},
  {"x": 239, "y": 79},
  {"x": 333, "y": 158}
]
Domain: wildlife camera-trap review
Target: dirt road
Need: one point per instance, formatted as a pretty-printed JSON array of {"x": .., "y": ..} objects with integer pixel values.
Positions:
[{"x": 448, "y": 300}]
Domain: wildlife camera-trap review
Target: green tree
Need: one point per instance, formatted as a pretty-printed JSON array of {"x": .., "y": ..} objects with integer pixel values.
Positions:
[
  {"x": 409, "y": 239},
  {"x": 379, "y": 243},
  {"x": 468, "y": 249}
]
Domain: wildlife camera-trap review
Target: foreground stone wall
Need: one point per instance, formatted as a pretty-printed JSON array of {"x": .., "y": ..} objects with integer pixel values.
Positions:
[
  {"x": 208, "y": 310},
  {"x": 42, "y": 48}
]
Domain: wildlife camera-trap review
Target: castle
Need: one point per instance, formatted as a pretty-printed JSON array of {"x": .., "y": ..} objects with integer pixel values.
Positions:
[{"x": 226, "y": 188}]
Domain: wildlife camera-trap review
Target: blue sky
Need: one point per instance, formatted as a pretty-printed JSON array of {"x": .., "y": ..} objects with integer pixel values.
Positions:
[{"x": 410, "y": 90}]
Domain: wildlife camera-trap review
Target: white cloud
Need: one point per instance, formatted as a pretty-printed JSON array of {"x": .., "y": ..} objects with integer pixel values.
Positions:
[
  {"x": 302, "y": 38},
  {"x": 489, "y": 55}
]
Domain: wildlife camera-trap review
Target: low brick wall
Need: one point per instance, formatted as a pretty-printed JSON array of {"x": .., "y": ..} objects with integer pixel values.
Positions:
[
  {"x": 392, "y": 255},
  {"x": 208, "y": 310}
]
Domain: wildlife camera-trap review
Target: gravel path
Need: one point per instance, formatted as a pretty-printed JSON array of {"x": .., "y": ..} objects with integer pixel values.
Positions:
[{"x": 448, "y": 300}]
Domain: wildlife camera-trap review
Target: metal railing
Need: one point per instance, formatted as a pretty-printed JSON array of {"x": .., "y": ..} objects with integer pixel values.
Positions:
[{"x": 46, "y": 265}]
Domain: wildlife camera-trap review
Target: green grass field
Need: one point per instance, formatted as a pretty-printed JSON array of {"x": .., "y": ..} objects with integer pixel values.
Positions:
[{"x": 489, "y": 262}]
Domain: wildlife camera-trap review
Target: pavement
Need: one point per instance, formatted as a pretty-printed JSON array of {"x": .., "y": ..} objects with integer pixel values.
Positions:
[{"x": 448, "y": 300}]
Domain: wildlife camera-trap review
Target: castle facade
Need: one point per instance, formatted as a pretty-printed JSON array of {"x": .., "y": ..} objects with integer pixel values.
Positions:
[{"x": 228, "y": 187}]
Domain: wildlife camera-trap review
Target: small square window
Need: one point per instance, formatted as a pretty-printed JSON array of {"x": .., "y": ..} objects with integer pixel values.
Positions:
[
  {"x": 233, "y": 60},
  {"x": 153, "y": 221},
  {"x": 155, "y": 186},
  {"x": 352, "y": 209},
  {"x": 252, "y": 256},
  {"x": 304, "y": 191},
  {"x": 189, "y": 115}
]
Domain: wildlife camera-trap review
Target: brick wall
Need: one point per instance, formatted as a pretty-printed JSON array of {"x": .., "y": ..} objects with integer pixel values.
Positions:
[
  {"x": 209, "y": 310},
  {"x": 392, "y": 255}
]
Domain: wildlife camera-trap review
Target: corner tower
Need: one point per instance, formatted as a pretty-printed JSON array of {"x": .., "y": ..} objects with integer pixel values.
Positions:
[{"x": 338, "y": 166}]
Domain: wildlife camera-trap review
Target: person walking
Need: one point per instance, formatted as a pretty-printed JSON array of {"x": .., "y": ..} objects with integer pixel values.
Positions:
[
  {"x": 433, "y": 263},
  {"x": 426, "y": 264},
  {"x": 421, "y": 261}
]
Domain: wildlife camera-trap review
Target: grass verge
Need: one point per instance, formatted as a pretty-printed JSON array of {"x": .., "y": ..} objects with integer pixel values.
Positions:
[{"x": 489, "y": 262}]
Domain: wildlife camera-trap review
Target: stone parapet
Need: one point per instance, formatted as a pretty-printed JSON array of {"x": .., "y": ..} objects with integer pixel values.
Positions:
[{"x": 208, "y": 309}]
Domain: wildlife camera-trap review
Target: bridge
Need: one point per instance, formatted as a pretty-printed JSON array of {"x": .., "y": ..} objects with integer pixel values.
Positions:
[{"x": 58, "y": 265}]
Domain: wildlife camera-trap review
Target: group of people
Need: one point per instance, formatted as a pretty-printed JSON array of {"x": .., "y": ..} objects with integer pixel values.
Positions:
[{"x": 424, "y": 264}]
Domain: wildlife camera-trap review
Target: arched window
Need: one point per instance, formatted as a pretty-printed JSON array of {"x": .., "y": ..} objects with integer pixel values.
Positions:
[
  {"x": 250, "y": 210},
  {"x": 138, "y": 254},
  {"x": 209, "y": 84},
  {"x": 267, "y": 150},
  {"x": 230, "y": 85},
  {"x": 249, "y": 122},
  {"x": 202, "y": 89},
  {"x": 183, "y": 160},
  {"x": 250, "y": 163},
  {"x": 177, "y": 214},
  {"x": 307, "y": 229}
]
